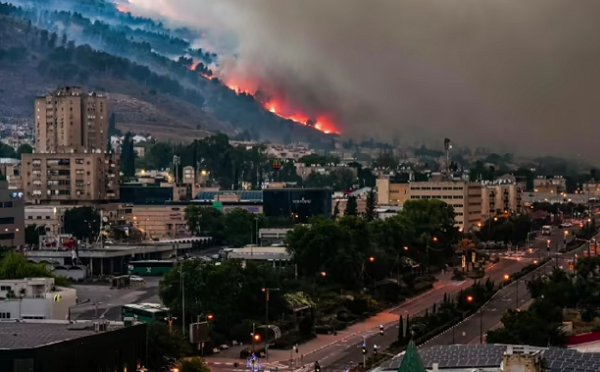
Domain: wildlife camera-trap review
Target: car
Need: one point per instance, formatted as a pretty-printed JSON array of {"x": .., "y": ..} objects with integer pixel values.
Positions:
[{"x": 136, "y": 279}]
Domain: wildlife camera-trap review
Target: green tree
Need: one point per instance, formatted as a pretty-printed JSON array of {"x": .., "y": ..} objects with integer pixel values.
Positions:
[
  {"x": 351, "y": 207},
  {"x": 33, "y": 233},
  {"x": 82, "y": 222},
  {"x": 7, "y": 151},
  {"x": 112, "y": 125},
  {"x": 160, "y": 155},
  {"x": 193, "y": 364},
  {"x": 371, "y": 204},
  {"x": 221, "y": 289},
  {"x": 24, "y": 149},
  {"x": 527, "y": 328},
  {"x": 14, "y": 265},
  {"x": 128, "y": 156},
  {"x": 164, "y": 342}
]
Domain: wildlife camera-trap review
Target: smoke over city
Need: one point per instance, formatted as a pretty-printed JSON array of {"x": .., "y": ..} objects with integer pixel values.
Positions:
[{"x": 511, "y": 74}]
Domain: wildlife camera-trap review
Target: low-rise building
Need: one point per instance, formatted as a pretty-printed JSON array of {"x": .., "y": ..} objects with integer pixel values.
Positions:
[
  {"x": 551, "y": 184},
  {"x": 389, "y": 193},
  {"x": 272, "y": 236},
  {"x": 35, "y": 298}
]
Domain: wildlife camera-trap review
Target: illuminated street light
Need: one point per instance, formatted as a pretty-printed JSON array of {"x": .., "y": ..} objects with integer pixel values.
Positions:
[
  {"x": 406, "y": 248},
  {"x": 371, "y": 258},
  {"x": 435, "y": 239},
  {"x": 323, "y": 273},
  {"x": 506, "y": 277},
  {"x": 469, "y": 299}
]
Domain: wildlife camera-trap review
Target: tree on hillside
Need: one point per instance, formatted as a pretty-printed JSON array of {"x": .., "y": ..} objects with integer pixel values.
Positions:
[{"x": 351, "y": 207}]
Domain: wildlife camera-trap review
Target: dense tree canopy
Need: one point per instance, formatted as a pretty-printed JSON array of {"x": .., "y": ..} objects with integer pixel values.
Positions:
[
  {"x": 350, "y": 247},
  {"x": 82, "y": 222}
]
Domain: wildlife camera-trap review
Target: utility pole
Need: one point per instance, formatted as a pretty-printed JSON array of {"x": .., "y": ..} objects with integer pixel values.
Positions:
[
  {"x": 182, "y": 279},
  {"x": 267, "y": 293},
  {"x": 517, "y": 299}
]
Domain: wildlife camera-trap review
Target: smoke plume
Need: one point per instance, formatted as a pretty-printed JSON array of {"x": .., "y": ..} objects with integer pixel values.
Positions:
[{"x": 512, "y": 74}]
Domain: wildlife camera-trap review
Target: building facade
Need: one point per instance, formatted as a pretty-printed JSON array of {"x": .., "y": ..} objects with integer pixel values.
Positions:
[
  {"x": 70, "y": 178},
  {"x": 12, "y": 216},
  {"x": 71, "y": 120},
  {"x": 35, "y": 298},
  {"x": 299, "y": 204},
  {"x": 389, "y": 193},
  {"x": 464, "y": 197},
  {"x": 503, "y": 196},
  {"x": 552, "y": 185}
]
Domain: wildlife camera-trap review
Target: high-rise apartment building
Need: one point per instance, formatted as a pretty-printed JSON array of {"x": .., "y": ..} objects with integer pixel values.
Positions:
[
  {"x": 70, "y": 163},
  {"x": 71, "y": 120}
]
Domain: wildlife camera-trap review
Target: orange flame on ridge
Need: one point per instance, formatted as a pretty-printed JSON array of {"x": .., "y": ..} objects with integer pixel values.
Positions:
[{"x": 321, "y": 123}]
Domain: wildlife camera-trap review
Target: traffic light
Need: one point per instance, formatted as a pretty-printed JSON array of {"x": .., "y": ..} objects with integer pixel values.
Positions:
[
  {"x": 374, "y": 350},
  {"x": 381, "y": 329},
  {"x": 364, "y": 349}
]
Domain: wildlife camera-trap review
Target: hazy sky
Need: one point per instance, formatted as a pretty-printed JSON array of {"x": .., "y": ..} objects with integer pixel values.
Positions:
[{"x": 522, "y": 74}]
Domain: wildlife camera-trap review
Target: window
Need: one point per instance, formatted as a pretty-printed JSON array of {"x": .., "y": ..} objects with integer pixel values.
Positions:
[
  {"x": 4, "y": 315},
  {"x": 7, "y": 221},
  {"x": 8, "y": 204},
  {"x": 7, "y": 236},
  {"x": 5, "y": 288}
]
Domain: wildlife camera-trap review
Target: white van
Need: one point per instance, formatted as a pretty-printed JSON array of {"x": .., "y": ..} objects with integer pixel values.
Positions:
[{"x": 547, "y": 230}]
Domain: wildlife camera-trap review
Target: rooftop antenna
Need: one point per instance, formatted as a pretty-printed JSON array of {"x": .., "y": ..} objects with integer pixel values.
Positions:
[{"x": 447, "y": 172}]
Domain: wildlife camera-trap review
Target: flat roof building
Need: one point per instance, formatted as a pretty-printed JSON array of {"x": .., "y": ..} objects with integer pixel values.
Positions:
[{"x": 49, "y": 346}]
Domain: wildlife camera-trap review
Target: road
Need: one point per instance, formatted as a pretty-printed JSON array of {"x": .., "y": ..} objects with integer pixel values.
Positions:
[
  {"x": 472, "y": 330},
  {"x": 109, "y": 301},
  {"x": 348, "y": 350}
]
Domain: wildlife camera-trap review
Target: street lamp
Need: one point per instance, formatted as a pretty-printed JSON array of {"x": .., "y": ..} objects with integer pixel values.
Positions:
[
  {"x": 506, "y": 277},
  {"x": 170, "y": 320},
  {"x": 372, "y": 259},
  {"x": 470, "y": 299}
]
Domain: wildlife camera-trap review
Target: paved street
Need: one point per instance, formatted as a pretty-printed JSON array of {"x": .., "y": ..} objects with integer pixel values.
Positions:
[
  {"x": 470, "y": 330},
  {"x": 109, "y": 301},
  {"x": 348, "y": 349}
]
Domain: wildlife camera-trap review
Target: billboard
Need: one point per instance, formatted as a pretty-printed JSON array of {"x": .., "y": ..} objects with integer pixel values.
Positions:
[{"x": 58, "y": 242}]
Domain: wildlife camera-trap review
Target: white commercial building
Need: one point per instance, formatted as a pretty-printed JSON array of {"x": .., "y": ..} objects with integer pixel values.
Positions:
[{"x": 35, "y": 298}]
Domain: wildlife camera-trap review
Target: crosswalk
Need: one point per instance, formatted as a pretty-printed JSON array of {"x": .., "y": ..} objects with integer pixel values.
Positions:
[{"x": 267, "y": 367}]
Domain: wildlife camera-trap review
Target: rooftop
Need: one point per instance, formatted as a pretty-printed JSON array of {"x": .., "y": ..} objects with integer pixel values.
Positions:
[
  {"x": 489, "y": 356},
  {"x": 26, "y": 334}
]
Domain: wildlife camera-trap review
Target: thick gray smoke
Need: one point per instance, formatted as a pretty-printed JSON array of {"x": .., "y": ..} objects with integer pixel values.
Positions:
[{"x": 522, "y": 75}]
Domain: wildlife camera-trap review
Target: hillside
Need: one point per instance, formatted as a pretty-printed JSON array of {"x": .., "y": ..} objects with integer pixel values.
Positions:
[
  {"x": 151, "y": 91},
  {"x": 136, "y": 106}
]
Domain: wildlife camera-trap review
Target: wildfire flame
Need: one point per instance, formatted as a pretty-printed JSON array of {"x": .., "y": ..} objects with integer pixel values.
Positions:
[{"x": 320, "y": 123}]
